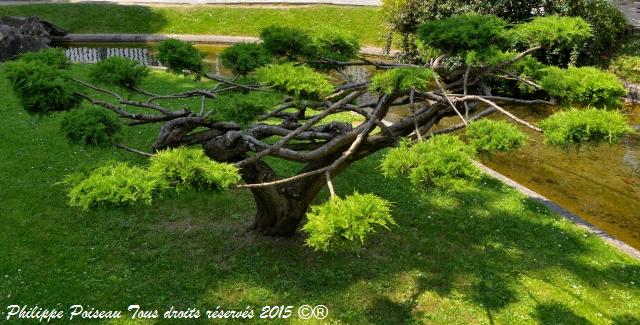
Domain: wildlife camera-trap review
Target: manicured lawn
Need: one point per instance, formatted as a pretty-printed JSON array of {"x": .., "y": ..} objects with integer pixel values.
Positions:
[
  {"x": 483, "y": 254},
  {"x": 366, "y": 22}
]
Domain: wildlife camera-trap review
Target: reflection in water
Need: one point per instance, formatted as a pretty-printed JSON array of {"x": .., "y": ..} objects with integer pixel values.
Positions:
[{"x": 600, "y": 184}]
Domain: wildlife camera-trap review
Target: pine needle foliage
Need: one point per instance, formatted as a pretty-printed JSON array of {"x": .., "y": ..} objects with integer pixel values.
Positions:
[
  {"x": 489, "y": 136},
  {"x": 91, "y": 126},
  {"x": 41, "y": 88},
  {"x": 245, "y": 108},
  {"x": 118, "y": 71},
  {"x": 442, "y": 161},
  {"x": 297, "y": 80},
  {"x": 114, "y": 184},
  {"x": 461, "y": 33},
  {"x": 587, "y": 86},
  {"x": 53, "y": 57},
  {"x": 180, "y": 57},
  {"x": 346, "y": 220},
  {"x": 244, "y": 58},
  {"x": 577, "y": 127},
  {"x": 191, "y": 168},
  {"x": 402, "y": 79},
  {"x": 119, "y": 183}
]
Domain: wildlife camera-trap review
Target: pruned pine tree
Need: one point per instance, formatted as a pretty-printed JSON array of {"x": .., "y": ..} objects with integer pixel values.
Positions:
[{"x": 288, "y": 100}]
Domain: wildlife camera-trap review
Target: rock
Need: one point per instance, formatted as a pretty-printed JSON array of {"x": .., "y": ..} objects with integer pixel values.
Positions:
[{"x": 20, "y": 34}]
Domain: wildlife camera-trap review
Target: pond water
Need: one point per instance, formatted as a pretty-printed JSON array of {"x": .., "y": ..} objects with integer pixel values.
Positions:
[{"x": 600, "y": 184}]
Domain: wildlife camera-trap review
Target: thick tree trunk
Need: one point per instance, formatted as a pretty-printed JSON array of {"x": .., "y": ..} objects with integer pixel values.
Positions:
[{"x": 280, "y": 208}]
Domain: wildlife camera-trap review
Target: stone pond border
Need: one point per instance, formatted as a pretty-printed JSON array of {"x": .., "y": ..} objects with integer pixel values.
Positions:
[{"x": 220, "y": 39}]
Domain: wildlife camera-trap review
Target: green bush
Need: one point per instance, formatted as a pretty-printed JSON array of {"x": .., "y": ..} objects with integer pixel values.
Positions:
[
  {"x": 489, "y": 136},
  {"x": 53, "y": 57},
  {"x": 286, "y": 41},
  {"x": 465, "y": 32},
  {"x": 297, "y": 80},
  {"x": 589, "y": 126},
  {"x": 348, "y": 219},
  {"x": 402, "y": 80},
  {"x": 180, "y": 57},
  {"x": 112, "y": 185},
  {"x": 118, "y": 71},
  {"x": 91, "y": 126},
  {"x": 41, "y": 88},
  {"x": 443, "y": 161},
  {"x": 244, "y": 58},
  {"x": 336, "y": 45},
  {"x": 626, "y": 67},
  {"x": 552, "y": 31},
  {"x": 191, "y": 168},
  {"x": 244, "y": 108},
  {"x": 588, "y": 86}
]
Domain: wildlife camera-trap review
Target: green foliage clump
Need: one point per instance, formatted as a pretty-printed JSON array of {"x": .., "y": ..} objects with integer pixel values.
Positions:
[
  {"x": 589, "y": 126},
  {"x": 191, "y": 168},
  {"x": 118, "y": 71},
  {"x": 487, "y": 57},
  {"x": 245, "y": 108},
  {"x": 41, "y": 88},
  {"x": 488, "y": 136},
  {"x": 112, "y": 185},
  {"x": 286, "y": 41},
  {"x": 626, "y": 67},
  {"x": 465, "y": 32},
  {"x": 587, "y": 86},
  {"x": 443, "y": 161},
  {"x": 297, "y": 80},
  {"x": 91, "y": 126},
  {"x": 351, "y": 218},
  {"x": 244, "y": 58},
  {"x": 180, "y": 57},
  {"x": 402, "y": 79},
  {"x": 53, "y": 57},
  {"x": 553, "y": 31},
  {"x": 335, "y": 45},
  {"x": 122, "y": 184}
]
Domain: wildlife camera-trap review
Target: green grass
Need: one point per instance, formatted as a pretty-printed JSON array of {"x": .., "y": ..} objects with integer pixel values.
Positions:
[
  {"x": 364, "y": 22},
  {"x": 480, "y": 255}
]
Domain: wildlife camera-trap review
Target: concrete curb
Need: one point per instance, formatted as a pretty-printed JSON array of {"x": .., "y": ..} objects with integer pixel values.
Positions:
[
  {"x": 561, "y": 211},
  {"x": 151, "y": 38}
]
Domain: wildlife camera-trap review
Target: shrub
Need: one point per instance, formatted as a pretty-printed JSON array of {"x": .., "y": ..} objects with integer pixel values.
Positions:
[
  {"x": 191, "y": 168},
  {"x": 443, "y": 161},
  {"x": 587, "y": 86},
  {"x": 244, "y": 108},
  {"x": 335, "y": 45},
  {"x": 41, "y": 88},
  {"x": 286, "y": 41},
  {"x": 626, "y": 67},
  {"x": 91, "y": 126},
  {"x": 112, "y": 185},
  {"x": 351, "y": 218},
  {"x": 591, "y": 126},
  {"x": 402, "y": 79},
  {"x": 118, "y": 71},
  {"x": 180, "y": 57},
  {"x": 488, "y": 136},
  {"x": 552, "y": 31},
  {"x": 297, "y": 80},
  {"x": 465, "y": 32},
  {"x": 244, "y": 58},
  {"x": 53, "y": 57}
]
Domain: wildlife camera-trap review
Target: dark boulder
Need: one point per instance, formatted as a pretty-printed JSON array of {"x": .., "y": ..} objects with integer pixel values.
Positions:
[{"x": 20, "y": 34}]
